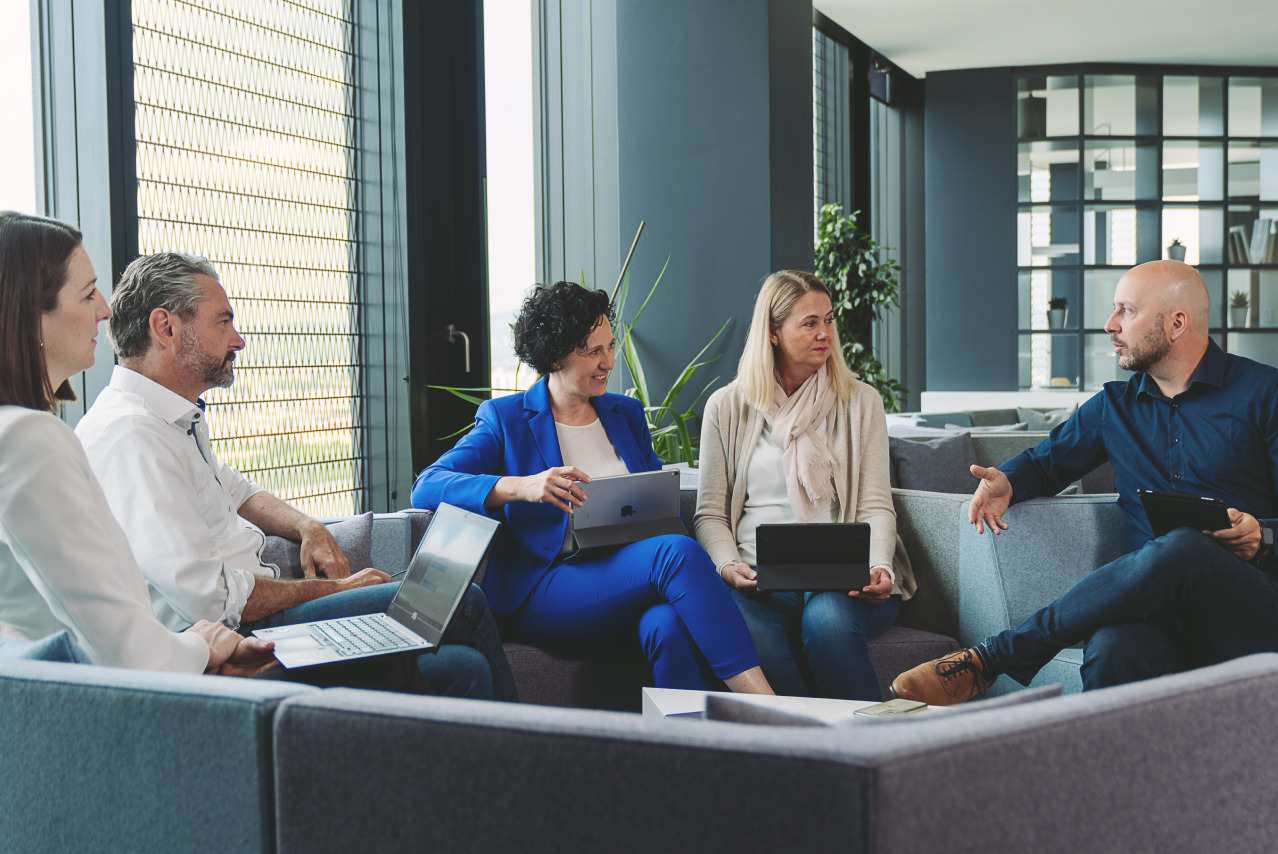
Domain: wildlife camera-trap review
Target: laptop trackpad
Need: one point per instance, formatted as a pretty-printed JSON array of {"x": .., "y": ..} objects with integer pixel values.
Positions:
[{"x": 302, "y": 643}]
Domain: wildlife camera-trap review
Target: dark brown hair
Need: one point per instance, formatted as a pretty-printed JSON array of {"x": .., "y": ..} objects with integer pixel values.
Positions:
[{"x": 34, "y": 252}]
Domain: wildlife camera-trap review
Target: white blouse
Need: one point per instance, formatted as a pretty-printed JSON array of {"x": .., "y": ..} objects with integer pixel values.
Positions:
[
  {"x": 65, "y": 562},
  {"x": 589, "y": 449},
  {"x": 767, "y": 500}
]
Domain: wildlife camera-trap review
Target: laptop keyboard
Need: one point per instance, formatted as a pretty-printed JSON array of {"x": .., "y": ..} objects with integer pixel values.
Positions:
[{"x": 357, "y": 635}]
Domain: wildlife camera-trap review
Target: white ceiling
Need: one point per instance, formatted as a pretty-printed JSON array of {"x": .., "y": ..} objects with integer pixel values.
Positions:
[{"x": 934, "y": 35}]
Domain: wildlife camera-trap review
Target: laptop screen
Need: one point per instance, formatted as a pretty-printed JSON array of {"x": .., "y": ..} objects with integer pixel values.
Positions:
[{"x": 440, "y": 571}]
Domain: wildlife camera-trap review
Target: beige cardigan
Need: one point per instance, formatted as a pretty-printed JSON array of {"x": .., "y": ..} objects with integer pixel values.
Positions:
[{"x": 857, "y": 438}]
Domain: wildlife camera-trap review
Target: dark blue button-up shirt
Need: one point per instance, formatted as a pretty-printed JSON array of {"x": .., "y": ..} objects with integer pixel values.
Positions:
[{"x": 1218, "y": 438}]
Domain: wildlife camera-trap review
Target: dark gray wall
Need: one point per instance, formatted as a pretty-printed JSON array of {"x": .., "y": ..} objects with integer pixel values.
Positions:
[
  {"x": 714, "y": 137},
  {"x": 971, "y": 230}
]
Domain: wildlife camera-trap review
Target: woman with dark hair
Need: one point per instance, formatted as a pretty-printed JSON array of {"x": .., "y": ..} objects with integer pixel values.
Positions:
[
  {"x": 65, "y": 565},
  {"x": 797, "y": 438},
  {"x": 523, "y": 461}
]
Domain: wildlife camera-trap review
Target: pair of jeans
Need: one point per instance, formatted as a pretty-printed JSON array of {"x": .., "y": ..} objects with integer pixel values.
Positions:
[
  {"x": 666, "y": 588},
  {"x": 469, "y": 661},
  {"x": 1180, "y": 601},
  {"x": 817, "y": 644}
]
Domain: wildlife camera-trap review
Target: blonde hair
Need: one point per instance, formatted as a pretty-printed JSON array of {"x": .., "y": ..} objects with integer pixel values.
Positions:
[{"x": 757, "y": 369}]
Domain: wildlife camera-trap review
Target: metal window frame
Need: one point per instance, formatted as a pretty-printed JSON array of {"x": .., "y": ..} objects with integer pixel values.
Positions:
[{"x": 86, "y": 175}]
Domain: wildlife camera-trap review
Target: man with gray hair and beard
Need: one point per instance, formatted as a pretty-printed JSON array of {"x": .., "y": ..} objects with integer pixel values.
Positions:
[
  {"x": 197, "y": 525},
  {"x": 1191, "y": 419}
]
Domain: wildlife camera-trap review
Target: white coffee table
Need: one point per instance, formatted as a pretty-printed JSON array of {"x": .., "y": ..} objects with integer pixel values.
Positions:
[{"x": 665, "y": 702}]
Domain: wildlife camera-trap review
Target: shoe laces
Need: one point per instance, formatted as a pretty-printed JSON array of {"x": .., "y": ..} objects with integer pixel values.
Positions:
[{"x": 955, "y": 667}]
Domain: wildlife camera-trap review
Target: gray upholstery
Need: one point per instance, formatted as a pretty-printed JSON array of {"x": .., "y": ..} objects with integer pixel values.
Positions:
[
  {"x": 103, "y": 759},
  {"x": 612, "y": 679},
  {"x": 354, "y": 534},
  {"x": 928, "y": 524},
  {"x": 939, "y": 464},
  {"x": 1050, "y": 544},
  {"x": 1183, "y": 763}
]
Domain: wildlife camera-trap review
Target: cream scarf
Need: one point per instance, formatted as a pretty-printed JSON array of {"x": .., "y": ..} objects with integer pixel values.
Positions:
[{"x": 809, "y": 467}]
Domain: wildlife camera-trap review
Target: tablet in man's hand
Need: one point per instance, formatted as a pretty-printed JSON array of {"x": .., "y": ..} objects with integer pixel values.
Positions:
[{"x": 1168, "y": 511}]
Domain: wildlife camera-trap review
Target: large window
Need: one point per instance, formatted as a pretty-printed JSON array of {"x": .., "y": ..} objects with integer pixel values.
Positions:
[
  {"x": 831, "y": 146},
  {"x": 17, "y": 143},
  {"x": 245, "y": 124},
  {"x": 508, "y": 124}
]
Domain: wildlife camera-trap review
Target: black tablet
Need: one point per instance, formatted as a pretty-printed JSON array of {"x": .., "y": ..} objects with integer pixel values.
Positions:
[{"x": 1168, "y": 511}]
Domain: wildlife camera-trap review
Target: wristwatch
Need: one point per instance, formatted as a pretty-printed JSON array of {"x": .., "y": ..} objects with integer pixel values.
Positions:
[{"x": 1266, "y": 541}]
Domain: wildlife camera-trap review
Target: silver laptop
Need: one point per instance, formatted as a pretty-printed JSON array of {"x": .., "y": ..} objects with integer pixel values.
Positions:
[
  {"x": 436, "y": 579},
  {"x": 628, "y": 508},
  {"x": 813, "y": 557}
]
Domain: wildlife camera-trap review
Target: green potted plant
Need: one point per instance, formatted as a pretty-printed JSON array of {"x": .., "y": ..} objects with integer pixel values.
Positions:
[
  {"x": 1057, "y": 312},
  {"x": 1176, "y": 250},
  {"x": 1238, "y": 306},
  {"x": 861, "y": 287}
]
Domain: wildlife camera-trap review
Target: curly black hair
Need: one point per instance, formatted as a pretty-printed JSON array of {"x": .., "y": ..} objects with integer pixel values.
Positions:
[{"x": 555, "y": 320}]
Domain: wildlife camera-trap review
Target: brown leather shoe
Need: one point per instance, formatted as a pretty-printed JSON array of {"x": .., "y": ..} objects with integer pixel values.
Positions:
[{"x": 956, "y": 678}]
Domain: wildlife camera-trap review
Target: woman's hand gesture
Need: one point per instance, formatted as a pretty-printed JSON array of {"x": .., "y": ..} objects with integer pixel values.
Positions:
[{"x": 557, "y": 486}]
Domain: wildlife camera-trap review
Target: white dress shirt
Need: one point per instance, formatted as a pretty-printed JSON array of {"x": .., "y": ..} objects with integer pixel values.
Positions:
[
  {"x": 177, "y": 502},
  {"x": 65, "y": 563}
]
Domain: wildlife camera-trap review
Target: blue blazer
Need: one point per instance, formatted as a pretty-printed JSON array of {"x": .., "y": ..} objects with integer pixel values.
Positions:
[{"x": 516, "y": 436}]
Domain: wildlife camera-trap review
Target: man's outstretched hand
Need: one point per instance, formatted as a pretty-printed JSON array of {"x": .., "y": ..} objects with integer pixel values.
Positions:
[{"x": 990, "y": 501}]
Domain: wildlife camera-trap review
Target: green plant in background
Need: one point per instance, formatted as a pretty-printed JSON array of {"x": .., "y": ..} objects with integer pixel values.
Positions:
[
  {"x": 1239, "y": 299},
  {"x": 676, "y": 435},
  {"x": 1057, "y": 303},
  {"x": 861, "y": 287}
]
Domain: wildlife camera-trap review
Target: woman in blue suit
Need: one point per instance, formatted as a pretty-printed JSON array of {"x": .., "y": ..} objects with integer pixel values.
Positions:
[{"x": 523, "y": 461}]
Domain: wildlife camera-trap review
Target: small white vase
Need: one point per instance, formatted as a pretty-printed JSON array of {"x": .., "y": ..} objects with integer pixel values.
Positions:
[
  {"x": 1056, "y": 318},
  {"x": 1237, "y": 318}
]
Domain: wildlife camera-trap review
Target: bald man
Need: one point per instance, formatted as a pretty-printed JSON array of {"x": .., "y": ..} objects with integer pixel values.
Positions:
[{"x": 1191, "y": 419}]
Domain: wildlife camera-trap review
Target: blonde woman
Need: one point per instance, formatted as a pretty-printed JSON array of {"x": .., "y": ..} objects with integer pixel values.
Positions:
[{"x": 797, "y": 438}]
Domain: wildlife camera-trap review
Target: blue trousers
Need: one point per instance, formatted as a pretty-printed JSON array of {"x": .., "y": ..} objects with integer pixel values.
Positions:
[
  {"x": 469, "y": 661},
  {"x": 1179, "y": 602},
  {"x": 817, "y": 644},
  {"x": 666, "y": 588}
]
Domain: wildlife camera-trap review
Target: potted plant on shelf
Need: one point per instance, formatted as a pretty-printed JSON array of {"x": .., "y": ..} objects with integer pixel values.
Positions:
[
  {"x": 1238, "y": 305},
  {"x": 1176, "y": 250},
  {"x": 1057, "y": 311}
]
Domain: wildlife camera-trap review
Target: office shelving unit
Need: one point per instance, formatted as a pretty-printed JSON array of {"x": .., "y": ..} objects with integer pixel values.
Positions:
[{"x": 1111, "y": 167}]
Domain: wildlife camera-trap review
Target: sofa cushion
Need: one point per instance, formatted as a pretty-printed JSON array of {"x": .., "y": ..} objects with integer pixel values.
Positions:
[
  {"x": 1044, "y": 419},
  {"x": 1018, "y": 427},
  {"x": 59, "y": 646},
  {"x": 940, "y": 464},
  {"x": 354, "y": 534}
]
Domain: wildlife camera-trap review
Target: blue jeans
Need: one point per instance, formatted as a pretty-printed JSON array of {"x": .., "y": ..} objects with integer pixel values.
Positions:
[
  {"x": 1181, "y": 601},
  {"x": 817, "y": 644},
  {"x": 666, "y": 588},
  {"x": 469, "y": 661}
]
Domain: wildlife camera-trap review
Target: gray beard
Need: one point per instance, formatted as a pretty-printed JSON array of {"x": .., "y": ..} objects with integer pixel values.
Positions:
[{"x": 217, "y": 373}]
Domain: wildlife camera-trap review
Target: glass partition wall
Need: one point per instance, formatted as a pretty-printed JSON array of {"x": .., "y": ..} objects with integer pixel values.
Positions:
[{"x": 1118, "y": 169}]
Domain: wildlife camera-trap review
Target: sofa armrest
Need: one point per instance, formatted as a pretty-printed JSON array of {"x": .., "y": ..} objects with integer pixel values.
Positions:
[
  {"x": 1050, "y": 544},
  {"x": 928, "y": 525},
  {"x": 107, "y": 759}
]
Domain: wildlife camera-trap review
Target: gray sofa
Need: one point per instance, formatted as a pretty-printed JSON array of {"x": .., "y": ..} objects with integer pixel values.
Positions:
[
  {"x": 1185, "y": 763},
  {"x": 1050, "y": 544},
  {"x": 97, "y": 759},
  {"x": 613, "y": 679}
]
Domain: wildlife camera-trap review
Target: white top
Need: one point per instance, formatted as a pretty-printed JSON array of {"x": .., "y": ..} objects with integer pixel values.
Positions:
[
  {"x": 589, "y": 449},
  {"x": 176, "y": 501},
  {"x": 65, "y": 563},
  {"x": 767, "y": 502}
]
